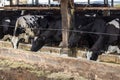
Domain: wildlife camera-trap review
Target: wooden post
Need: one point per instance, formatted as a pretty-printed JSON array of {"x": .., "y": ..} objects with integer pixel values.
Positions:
[
  {"x": 65, "y": 22},
  {"x": 67, "y": 12}
]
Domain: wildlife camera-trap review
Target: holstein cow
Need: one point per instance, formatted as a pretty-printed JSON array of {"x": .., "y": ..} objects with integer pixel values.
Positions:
[
  {"x": 113, "y": 40},
  {"x": 98, "y": 25},
  {"x": 27, "y": 27},
  {"x": 53, "y": 33},
  {"x": 100, "y": 40}
]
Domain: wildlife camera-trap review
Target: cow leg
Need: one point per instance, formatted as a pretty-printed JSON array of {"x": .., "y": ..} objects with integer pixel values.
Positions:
[
  {"x": 15, "y": 42},
  {"x": 95, "y": 50}
]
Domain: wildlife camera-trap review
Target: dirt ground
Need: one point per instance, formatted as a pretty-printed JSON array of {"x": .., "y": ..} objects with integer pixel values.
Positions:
[{"x": 14, "y": 70}]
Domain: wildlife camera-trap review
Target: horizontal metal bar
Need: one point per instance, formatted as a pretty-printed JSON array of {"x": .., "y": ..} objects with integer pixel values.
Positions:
[
  {"x": 97, "y": 8},
  {"x": 58, "y": 8},
  {"x": 30, "y": 8}
]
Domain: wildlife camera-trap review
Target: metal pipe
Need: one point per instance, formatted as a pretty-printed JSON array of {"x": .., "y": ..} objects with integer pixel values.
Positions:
[
  {"x": 36, "y": 2},
  {"x": 106, "y": 2},
  {"x": 49, "y": 2},
  {"x": 112, "y": 3}
]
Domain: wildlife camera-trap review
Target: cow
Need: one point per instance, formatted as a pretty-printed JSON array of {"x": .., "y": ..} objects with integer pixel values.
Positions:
[
  {"x": 113, "y": 28},
  {"x": 98, "y": 25},
  {"x": 53, "y": 32},
  {"x": 111, "y": 39},
  {"x": 27, "y": 27},
  {"x": 99, "y": 39}
]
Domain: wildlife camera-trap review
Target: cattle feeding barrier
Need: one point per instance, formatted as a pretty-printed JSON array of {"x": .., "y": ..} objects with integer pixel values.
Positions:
[
  {"x": 77, "y": 66},
  {"x": 76, "y": 31},
  {"x": 80, "y": 53}
]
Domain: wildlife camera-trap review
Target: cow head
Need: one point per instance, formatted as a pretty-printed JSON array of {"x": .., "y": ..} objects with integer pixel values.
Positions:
[
  {"x": 38, "y": 43},
  {"x": 92, "y": 55}
]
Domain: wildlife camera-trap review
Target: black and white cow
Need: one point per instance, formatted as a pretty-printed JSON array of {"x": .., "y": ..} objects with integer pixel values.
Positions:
[
  {"x": 27, "y": 27},
  {"x": 98, "y": 42},
  {"x": 111, "y": 40},
  {"x": 98, "y": 25},
  {"x": 52, "y": 33},
  {"x": 113, "y": 28}
]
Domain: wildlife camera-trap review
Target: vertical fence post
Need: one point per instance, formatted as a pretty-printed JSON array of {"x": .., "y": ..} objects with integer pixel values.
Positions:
[{"x": 67, "y": 12}]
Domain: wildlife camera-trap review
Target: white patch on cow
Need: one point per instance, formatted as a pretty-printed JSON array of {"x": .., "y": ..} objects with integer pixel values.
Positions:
[
  {"x": 35, "y": 38},
  {"x": 90, "y": 15},
  {"x": 22, "y": 12},
  {"x": 89, "y": 55},
  {"x": 112, "y": 49},
  {"x": 115, "y": 23},
  {"x": 14, "y": 41},
  {"x": 7, "y": 20}
]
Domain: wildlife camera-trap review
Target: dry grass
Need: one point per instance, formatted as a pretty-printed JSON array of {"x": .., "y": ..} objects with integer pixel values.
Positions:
[{"x": 13, "y": 70}]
